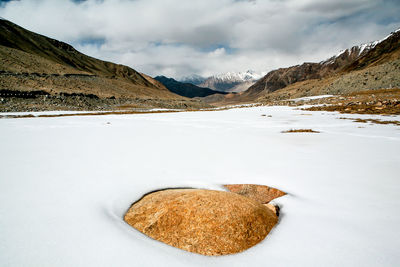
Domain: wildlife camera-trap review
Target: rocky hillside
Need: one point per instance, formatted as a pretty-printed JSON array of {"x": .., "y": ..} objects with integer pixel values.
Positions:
[
  {"x": 31, "y": 62},
  {"x": 321, "y": 77},
  {"x": 384, "y": 51},
  {"x": 185, "y": 89},
  {"x": 13, "y": 36}
]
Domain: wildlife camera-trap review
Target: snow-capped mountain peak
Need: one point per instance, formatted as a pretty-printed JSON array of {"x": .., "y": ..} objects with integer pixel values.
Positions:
[
  {"x": 237, "y": 76},
  {"x": 226, "y": 82},
  {"x": 232, "y": 81},
  {"x": 357, "y": 50}
]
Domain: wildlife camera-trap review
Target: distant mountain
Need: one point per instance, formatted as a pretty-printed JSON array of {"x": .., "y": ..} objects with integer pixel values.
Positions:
[
  {"x": 353, "y": 59},
  {"x": 231, "y": 81},
  {"x": 193, "y": 79},
  {"x": 185, "y": 89}
]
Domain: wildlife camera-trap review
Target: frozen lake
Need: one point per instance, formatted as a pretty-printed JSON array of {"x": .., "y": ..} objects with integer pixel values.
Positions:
[{"x": 66, "y": 182}]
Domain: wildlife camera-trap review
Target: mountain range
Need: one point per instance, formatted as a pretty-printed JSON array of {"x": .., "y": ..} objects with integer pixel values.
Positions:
[
  {"x": 225, "y": 82},
  {"x": 35, "y": 65}
]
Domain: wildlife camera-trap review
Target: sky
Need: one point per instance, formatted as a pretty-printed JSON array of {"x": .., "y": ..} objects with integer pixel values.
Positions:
[{"x": 177, "y": 38}]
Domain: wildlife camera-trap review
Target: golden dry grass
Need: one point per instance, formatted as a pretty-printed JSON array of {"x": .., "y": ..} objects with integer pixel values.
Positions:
[
  {"x": 375, "y": 121},
  {"x": 300, "y": 131},
  {"x": 382, "y": 101}
]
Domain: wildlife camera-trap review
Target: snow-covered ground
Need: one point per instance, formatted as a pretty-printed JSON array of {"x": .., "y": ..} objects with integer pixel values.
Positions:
[
  {"x": 66, "y": 112},
  {"x": 66, "y": 182},
  {"x": 37, "y": 113},
  {"x": 308, "y": 98}
]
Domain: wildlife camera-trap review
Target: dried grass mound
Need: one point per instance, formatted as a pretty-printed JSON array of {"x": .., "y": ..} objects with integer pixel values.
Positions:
[
  {"x": 207, "y": 222},
  {"x": 261, "y": 193},
  {"x": 300, "y": 131}
]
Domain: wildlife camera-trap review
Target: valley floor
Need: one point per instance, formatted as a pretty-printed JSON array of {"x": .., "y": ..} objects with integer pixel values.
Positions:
[{"x": 65, "y": 183}]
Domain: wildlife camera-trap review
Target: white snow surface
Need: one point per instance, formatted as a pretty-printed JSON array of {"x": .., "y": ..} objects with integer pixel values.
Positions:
[
  {"x": 55, "y": 112},
  {"x": 67, "y": 112},
  {"x": 307, "y": 98},
  {"x": 66, "y": 182}
]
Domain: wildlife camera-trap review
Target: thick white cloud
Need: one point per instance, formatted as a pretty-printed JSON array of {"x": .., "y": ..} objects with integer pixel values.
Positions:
[{"x": 179, "y": 37}]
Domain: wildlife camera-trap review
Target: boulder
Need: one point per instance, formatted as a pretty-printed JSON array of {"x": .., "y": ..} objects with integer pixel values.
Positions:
[{"x": 207, "y": 222}]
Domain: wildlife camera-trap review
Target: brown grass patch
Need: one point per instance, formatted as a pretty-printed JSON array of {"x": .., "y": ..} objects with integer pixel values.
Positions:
[
  {"x": 300, "y": 131},
  {"x": 382, "y": 101},
  {"x": 376, "y": 121}
]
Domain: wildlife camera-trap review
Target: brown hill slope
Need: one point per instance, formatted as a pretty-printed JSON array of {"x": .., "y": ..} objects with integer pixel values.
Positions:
[
  {"x": 339, "y": 74},
  {"x": 386, "y": 75},
  {"x": 13, "y": 36},
  {"x": 32, "y": 62}
]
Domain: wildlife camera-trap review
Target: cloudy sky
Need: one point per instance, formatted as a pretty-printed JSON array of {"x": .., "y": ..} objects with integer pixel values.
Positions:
[{"x": 182, "y": 37}]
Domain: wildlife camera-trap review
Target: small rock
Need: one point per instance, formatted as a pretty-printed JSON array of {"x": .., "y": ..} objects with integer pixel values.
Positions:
[
  {"x": 261, "y": 193},
  {"x": 274, "y": 208}
]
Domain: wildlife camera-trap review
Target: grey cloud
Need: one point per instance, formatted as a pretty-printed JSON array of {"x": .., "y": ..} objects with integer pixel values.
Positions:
[
  {"x": 340, "y": 7},
  {"x": 179, "y": 37},
  {"x": 204, "y": 36}
]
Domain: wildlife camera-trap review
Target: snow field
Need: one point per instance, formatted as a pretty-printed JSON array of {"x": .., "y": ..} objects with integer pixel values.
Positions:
[{"x": 66, "y": 182}]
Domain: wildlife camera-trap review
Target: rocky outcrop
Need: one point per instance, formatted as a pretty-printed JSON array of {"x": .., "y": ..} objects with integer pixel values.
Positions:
[{"x": 207, "y": 222}]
